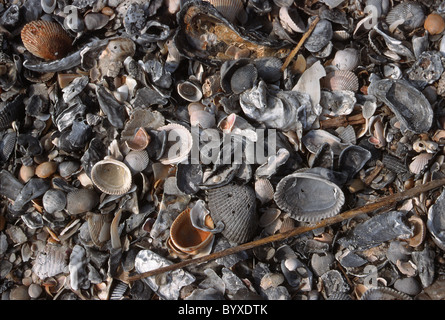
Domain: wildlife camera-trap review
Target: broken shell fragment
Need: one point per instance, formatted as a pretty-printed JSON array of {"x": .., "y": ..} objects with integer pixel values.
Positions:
[
  {"x": 294, "y": 195},
  {"x": 111, "y": 177},
  {"x": 46, "y": 40},
  {"x": 139, "y": 141},
  {"x": 180, "y": 143},
  {"x": 436, "y": 221}
]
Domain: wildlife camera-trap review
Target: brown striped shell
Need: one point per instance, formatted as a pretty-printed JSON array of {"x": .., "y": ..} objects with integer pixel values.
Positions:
[
  {"x": 46, "y": 40},
  {"x": 230, "y": 9}
]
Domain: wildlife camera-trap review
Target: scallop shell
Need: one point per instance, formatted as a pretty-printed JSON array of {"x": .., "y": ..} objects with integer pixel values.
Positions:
[
  {"x": 137, "y": 161},
  {"x": 175, "y": 154},
  {"x": 54, "y": 200},
  {"x": 82, "y": 200},
  {"x": 308, "y": 197},
  {"x": 186, "y": 237},
  {"x": 409, "y": 105},
  {"x": 230, "y": 9},
  {"x": 384, "y": 293},
  {"x": 346, "y": 59},
  {"x": 235, "y": 206},
  {"x": 264, "y": 190},
  {"x": 408, "y": 14},
  {"x": 189, "y": 91},
  {"x": 139, "y": 141},
  {"x": 340, "y": 80},
  {"x": 46, "y": 40},
  {"x": 111, "y": 177}
]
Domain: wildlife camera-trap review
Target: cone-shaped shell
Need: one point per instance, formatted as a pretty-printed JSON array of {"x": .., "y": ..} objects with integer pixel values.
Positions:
[
  {"x": 308, "y": 197},
  {"x": 111, "y": 177},
  {"x": 186, "y": 237},
  {"x": 46, "y": 40},
  {"x": 235, "y": 206}
]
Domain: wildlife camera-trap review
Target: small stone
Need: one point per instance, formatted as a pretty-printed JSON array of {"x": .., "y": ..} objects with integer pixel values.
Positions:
[
  {"x": 19, "y": 293},
  {"x": 34, "y": 290}
]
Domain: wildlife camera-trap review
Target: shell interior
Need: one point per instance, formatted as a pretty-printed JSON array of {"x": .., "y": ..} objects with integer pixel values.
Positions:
[{"x": 111, "y": 177}]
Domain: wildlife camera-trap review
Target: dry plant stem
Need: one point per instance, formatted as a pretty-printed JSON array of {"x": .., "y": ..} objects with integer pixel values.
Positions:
[
  {"x": 385, "y": 202},
  {"x": 300, "y": 43}
]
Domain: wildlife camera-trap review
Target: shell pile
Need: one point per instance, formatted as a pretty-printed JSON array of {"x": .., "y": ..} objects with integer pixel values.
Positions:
[{"x": 136, "y": 134}]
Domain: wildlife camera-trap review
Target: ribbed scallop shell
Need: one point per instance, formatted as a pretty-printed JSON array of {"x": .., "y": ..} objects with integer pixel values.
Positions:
[
  {"x": 308, "y": 197},
  {"x": 264, "y": 190},
  {"x": 82, "y": 200},
  {"x": 54, "y": 200},
  {"x": 384, "y": 293},
  {"x": 111, "y": 176},
  {"x": 46, "y": 40},
  {"x": 235, "y": 206},
  {"x": 230, "y": 9},
  {"x": 410, "y": 12},
  {"x": 419, "y": 162},
  {"x": 340, "y": 80},
  {"x": 137, "y": 161}
]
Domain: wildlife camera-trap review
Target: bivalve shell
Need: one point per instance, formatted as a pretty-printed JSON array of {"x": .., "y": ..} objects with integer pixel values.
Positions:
[
  {"x": 308, "y": 197},
  {"x": 46, "y": 40},
  {"x": 409, "y": 15},
  {"x": 139, "y": 141},
  {"x": 346, "y": 59},
  {"x": 264, "y": 190},
  {"x": 137, "y": 161},
  {"x": 189, "y": 91},
  {"x": 46, "y": 169},
  {"x": 174, "y": 153},
  {"x": 235, "y": 206},
  {"x": 54, "y": 200},
  {"x": 436, "y": 221},
  {"x": 82, "y": 200},
  {"x": 384, "y": 293},
  {"x": 232, "y": 10},
  {"x": 419, "y": 162},
  {"x": 434, "y": 24},
  {"x": 340, "y": 80},
  {"x": 111, "y": 176}
]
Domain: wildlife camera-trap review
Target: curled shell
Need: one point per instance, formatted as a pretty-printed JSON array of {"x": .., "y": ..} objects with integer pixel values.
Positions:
[
  {"x": 111, "y": 176},
  {"x": 46, "y": 40},
  {"x": 294, "y": 194}
]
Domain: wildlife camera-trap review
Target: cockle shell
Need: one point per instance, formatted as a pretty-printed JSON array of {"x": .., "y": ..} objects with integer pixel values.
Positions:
[
  {"x": 384, "y": 293},
  {"x": 232, "y": 10},
  {"x": 434, "y": 24},
  {"x": 137, "y": 161},
  {"x": 111, "y": 176},
  {"x": 264, "y": 190},
  {"x": 294, "y": 194},
  {"x": 82, "y": 200},
  {"x": 419, "y": 162},
  {"x": 46, "y": 40},
  {"x": 409, "y": 15},
  {"x": 346, "y": 59},
  {"x": 54, "y": 200},
  {"x": 341, "y": 80},
  {"x": 188, "y": 238}
]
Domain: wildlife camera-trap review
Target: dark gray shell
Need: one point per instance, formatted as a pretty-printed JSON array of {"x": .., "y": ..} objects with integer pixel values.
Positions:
[
  {"x": 12, "y": 111},
  {"x": 320, "y": 36},
  {"x": 436, "y": 221},
  {"x": 427, "y": 69},
  {"x": 235, "y": 206},
  {"x": 308, "y": 197},
  {"x": 410, "y": 11},
  {"x": 54, "y": 200},
  {"x": 384, "y": 293},
  {"x": 409, "y": 105},
  {"x": 352, "y": 159}
]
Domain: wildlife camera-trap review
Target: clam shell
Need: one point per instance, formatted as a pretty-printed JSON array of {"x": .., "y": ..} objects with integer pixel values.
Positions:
[
  {"x": 137, "y": 161},
  {"x": 202, "y": 118},
  {"x": 54, "y": 200},
  {"x": 436, "y": 221},
  {"x": 340, "y": 80},
  {"x": 189, "y": 91},
  {"x": 186, "y": 237},
  {"x": 295, "y": 194},
  {"x": 234, "y": 205},
  {"x": 291, "y": 20},
  {"x": 111, "y": 177},
  {"x": 264, "y": 190},
  {"x": 409, "y": 105},
  {"x": 46, "y": 40},
  {"x": 230, "y": 9},
  {"x": 352, "y": 159},
  {"x": 99, "y": 227},
  {"x": 243, "y": 78},
  {"x": 139, "y": 141},
  {"x": 82, "y": 200},
  {"x": 314, "y": 140},
  {"x": 176, "y": 153},
  {"x": 434, "y": 24},
  {"x": 346, "y": 59},
  {"x": 46, "y": 169},
  {"x": 410, "y": 13},
  {"x": 48, "y": 5},
  {"x": 95, "y": 21}
]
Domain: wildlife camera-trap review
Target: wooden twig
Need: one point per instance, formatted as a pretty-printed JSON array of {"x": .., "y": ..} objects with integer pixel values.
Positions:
[
  {"x": 368, "y": 208},
  {"x": 300, "y": 43}
]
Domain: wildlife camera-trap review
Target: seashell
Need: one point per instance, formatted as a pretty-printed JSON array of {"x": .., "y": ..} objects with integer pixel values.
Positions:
[
  {"x": 409, "y": 105},
  {"x": 232, "y": 10},
  {"x": 137, "y": 161},
  {"x": 189, "y": 91},
  {"x": 112, "y": 57},
  {"x": 426, "y": 70},
  {"x": 264, "y": 190},
  {"x": 195, "y": 38},
  {"x": 50, "y": 261},
  {"x": 26, "y": 173},
  {"x": 291, "y": 20},
  {"x": 243, "y": 78},
  {"x": 81, "y": 201},
  {"x": 186, "y": 237},
  {"x": 268, "y": 217},
  {"x": 384, "y": 293},
  {"x": 99, "y": 227},
  {"x": 340, "y": 80},
  {"x": 33, "y": 189},
  {"x": 234, "y": 205},
  {"x": 314, "y": 139},
  {"x": 54, "y": 200},
  {"x": 95, "y": 21},
  {"x": 12, "y": 111},
  {"x": 294, "y": 194},
  {"x": 48, "y": 5},
  {"x": 320, "y": 36},
  {"x": 68, "y": 168},
  {"x": 436, "y": 221},
  {"x": 419, "y": 231},
  {"x": 352, "y": 159},
  {"x": 46, "y": 40},
  {"x": 336, "y": 103},
  {"x": 409, "y": 15},
  {"x": 175, "y": 154},
  {"x": 202, "y": 118},
  {"x": 139, "y": 141},
  {"x": 419, "y": 162},
  {"x": 268, "y": 68},
  {"x": 346, "y": 59},
  {"x": 425, "y": 145},
  {"x": 111, "y": 177},
  {"x": 434, "y": 24},
  {"x": 46, "y": 169}
]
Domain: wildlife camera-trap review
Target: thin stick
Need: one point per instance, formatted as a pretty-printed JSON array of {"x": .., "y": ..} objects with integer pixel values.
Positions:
[
  {"x": 384, "y": 202},
  {"x": 300, "y": 43}
]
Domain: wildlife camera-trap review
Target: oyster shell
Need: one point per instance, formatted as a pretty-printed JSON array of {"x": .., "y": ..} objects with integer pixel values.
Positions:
[
  {"x": 111, "y": 177},
  {"x": 293, "y": 195},
  {"x": 409, "y": 105}
]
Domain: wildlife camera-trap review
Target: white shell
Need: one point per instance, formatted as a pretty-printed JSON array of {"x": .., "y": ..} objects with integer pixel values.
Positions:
[
  {"x": 183, "y": 146},
  {"x": 111, "y": 177},
  {"x": 346, "y": 59},
  {"x": 419, "y": 162}
]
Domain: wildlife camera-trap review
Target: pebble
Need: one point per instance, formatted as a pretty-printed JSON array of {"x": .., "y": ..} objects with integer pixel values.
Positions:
[
  {"x": 34, "y": 290},
  {"x": 19, "y": 293}
]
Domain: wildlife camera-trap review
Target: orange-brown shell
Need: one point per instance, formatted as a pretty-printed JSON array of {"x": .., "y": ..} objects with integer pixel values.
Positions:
[
  {"x": 434, "y": 24},
  {"x": 46, "y": 40}
]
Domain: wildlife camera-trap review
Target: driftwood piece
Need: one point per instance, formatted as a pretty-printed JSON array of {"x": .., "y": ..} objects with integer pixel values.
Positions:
[{"x": 383, "y": 203}]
